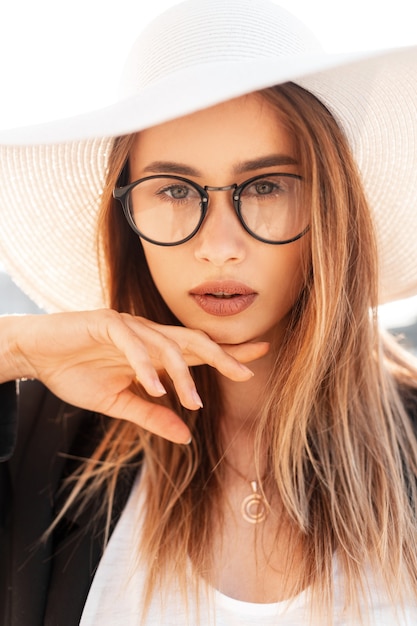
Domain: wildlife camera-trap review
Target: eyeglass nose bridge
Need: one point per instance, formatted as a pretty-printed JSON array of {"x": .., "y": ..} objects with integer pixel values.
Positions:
[{"x": 226, "y": 188}]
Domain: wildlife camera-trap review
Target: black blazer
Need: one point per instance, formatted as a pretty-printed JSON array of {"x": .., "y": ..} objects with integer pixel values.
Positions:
[{"x": 46, "y": 583}]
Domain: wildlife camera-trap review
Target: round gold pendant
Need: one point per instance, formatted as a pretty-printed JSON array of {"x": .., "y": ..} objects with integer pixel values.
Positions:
[{"x": 254, "y": 508}]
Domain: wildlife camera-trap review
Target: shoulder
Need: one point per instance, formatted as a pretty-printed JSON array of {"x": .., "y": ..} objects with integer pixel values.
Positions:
[{"x": 28, "y": 410}]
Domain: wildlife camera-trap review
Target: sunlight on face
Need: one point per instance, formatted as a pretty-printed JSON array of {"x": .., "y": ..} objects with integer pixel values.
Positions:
[{"x": 223, "y": 281}]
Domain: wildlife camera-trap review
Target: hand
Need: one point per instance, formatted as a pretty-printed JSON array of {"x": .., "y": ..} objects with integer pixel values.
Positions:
[{"x": 90, "y": 359}]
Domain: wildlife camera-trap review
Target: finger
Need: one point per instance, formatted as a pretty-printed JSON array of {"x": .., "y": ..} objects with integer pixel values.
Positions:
[
  {"x": 156, "y": 419},
  {"x": 198, "y": 349},
  {"x": 247, "y": 352},
  {"x": 154, "y": 347},
  {"x": 172, "y": 360},
  {"x": 127, "y": 341},
  {"x": 201, "y": 349},
  {"x": 175, "y": 348}
]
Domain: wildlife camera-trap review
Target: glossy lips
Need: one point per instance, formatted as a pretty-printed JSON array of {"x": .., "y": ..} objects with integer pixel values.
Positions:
[{"x": 223, "y": 297}]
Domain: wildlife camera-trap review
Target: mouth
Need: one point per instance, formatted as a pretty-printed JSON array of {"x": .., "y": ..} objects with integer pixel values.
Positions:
[{"x": 223, "y": 298}]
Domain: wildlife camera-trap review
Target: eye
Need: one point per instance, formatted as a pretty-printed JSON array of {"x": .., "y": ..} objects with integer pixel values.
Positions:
[
  {"x": 272, "y": 187},
  {"x": 264, "y": 187},
  {"x": 179, "y": 192}
]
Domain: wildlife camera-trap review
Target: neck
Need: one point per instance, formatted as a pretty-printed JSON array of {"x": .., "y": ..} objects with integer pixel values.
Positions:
[
  {"x": 240, "y": 417},
  {"x": 242, "y": 399}
]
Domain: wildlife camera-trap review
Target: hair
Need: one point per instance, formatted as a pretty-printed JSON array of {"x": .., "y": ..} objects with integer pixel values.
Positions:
[{"x": 341, "y": 448}]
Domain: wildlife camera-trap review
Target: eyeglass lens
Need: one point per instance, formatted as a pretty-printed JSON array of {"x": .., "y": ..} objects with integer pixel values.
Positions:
[{"x": 168, "y": 210}]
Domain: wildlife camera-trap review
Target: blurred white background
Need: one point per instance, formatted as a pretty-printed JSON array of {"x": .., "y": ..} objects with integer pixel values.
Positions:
[
  {"x": 61, "y": 58},
  {"x": 58, "y": 59}
]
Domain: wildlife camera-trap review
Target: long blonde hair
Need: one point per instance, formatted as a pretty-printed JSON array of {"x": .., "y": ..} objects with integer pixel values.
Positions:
[{"x": 341, "y": 447}]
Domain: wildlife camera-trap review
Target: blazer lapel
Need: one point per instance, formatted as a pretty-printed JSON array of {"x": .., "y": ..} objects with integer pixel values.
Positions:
[
  {"x": 79, "y": 542},
  {"x": 35, "y": 471}
]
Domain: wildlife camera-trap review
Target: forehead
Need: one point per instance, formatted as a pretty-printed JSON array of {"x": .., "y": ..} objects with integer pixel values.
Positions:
[{"x": 216, "y": 138}]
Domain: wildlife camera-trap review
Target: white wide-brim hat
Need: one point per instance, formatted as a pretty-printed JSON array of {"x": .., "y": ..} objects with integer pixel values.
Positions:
[{"x": 197, "y": 54}]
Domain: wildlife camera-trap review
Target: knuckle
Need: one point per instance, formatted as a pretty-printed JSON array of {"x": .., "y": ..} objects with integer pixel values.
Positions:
[
  {"x": 201, "y": 334},
  {"x": 111, "y": 314},
  {"x": 204, "y": 336},
  {"x": 169, "y": 349},
  {"x": 110, "y": 318}
]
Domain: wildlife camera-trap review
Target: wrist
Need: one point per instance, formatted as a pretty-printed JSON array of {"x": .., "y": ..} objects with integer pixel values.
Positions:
[{"x": 13, "y": 360}]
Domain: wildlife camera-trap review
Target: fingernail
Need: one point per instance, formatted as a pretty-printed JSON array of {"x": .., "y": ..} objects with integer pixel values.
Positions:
[
  {"x": 158, "y": 386},
  {"x": 187, "y": 443},
  {"x": 197, "y": 399},
  {"x": 246, "y": 369}
]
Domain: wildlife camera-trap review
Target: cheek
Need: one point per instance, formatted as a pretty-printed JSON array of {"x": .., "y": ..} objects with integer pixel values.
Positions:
[
  {"x": 290, "y": 264},
  {"x": 165, "y": 268},
  {"x": 287, "y": 273}
]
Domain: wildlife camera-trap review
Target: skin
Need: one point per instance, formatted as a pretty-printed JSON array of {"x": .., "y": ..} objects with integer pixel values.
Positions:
[
  {"x": 215, "y": 142},
  {"x": 216, "y": 145}
]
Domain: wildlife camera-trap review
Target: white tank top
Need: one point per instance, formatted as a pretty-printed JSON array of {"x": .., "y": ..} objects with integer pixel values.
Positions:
[{"x": 115, "y": 595}]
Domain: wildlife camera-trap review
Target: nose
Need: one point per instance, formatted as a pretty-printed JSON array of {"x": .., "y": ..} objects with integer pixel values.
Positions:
[{"x": 221, "y": 238}]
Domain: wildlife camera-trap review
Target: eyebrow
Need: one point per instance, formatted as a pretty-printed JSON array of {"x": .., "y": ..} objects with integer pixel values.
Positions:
[
  {"x": 172, "y": 167},
  {"x": 271, "y": 160}
]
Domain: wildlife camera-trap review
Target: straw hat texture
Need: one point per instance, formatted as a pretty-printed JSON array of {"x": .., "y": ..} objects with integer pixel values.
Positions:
[{"x": 197, "y": 54}]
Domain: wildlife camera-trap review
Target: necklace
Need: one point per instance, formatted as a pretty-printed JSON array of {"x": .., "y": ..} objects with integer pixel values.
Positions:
[{"x": 254, "y": 507}]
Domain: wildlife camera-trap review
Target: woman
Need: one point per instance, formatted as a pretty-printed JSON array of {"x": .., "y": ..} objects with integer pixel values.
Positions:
[{"x": 263, "y": 469}]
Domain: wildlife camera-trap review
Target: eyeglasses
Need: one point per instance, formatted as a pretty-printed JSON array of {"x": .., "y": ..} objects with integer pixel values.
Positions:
[{"x": 169, "y": 210}]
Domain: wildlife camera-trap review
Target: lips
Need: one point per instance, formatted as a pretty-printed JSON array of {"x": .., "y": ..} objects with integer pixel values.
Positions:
[{"x": 223, "y": 297}]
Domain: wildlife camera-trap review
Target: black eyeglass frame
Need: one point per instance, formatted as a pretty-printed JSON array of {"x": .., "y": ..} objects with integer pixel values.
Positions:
[{"x": 122, "y": 194}]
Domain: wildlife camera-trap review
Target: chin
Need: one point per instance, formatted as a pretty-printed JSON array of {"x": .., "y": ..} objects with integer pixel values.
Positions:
[
  {"x": 227, "y": 334},
  {"x": 243, "y": 335},
  {"x": 234, "y": 330}
]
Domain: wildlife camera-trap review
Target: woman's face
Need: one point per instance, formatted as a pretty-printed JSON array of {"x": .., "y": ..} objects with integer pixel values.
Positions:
[{"x": 224, "y": 281}]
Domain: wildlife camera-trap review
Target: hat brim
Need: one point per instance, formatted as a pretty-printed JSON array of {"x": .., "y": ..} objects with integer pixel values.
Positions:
[
  {"x": 48, "y": 219},
  {"x": 212, "y": 84}
]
